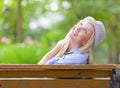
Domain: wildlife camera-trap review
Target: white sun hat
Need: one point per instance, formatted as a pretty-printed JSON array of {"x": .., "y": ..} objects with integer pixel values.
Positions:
[{"x": 99, "y": 30}]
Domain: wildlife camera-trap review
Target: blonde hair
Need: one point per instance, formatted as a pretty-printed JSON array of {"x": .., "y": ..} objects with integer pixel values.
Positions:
[{"x": 85, "y": 48}]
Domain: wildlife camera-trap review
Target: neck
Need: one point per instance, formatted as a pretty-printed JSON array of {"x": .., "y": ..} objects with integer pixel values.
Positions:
[{"x": 74, "y": 45}]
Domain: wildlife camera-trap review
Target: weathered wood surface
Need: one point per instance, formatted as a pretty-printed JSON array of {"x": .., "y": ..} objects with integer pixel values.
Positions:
[
  {"x": 34, "y": 66},
  {"x": 55, "y": 76},
  {"x": 55, "y": 71},
  {"x": 56, "y": 83}
]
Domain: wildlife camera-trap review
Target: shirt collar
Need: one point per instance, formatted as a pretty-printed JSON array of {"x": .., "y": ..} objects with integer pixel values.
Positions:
[{"x": 77, "y": 51}]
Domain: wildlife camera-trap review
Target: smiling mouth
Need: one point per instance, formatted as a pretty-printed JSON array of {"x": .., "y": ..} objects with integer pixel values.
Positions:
[{"x": 75, "y": 34}]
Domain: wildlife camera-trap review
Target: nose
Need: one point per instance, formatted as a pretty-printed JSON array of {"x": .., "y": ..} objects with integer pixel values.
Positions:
[{"x": 77, "y": 29}]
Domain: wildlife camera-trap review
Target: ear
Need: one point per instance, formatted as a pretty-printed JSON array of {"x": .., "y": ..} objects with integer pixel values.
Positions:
[{"x": 83, "y": 44}]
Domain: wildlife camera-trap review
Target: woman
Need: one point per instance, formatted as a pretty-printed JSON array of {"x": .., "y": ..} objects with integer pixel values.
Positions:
[{"x": 77, "y": 46}]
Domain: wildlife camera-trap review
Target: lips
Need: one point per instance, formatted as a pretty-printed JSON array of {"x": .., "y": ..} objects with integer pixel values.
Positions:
[{"x": 74, "y": 33}]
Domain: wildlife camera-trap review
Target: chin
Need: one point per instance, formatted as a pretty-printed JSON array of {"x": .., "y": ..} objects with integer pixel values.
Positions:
[{"x": 72, "y": 37}]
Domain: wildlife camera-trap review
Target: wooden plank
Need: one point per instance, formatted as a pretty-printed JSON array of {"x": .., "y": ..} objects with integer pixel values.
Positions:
[
  {"x": 34, "y": 66},
  {"x": 54, "y": 83},
  {"x": 118, "y": 66},
  {"x": 54, "y": 73}
]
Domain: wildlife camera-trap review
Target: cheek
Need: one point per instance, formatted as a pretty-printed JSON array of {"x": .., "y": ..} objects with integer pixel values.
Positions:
[
  {"x": 70, "y": 34},
  {"x": 83, "y": 38},
  {"x": 89, "y": 35}
]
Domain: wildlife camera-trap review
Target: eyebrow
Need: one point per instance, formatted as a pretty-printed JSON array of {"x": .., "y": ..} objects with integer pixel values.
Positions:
[
  {"x": 88, "y": 22},
  {"x": 86, "y": 27}
]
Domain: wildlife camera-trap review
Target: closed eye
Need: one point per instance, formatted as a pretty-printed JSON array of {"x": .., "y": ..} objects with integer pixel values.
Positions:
[
  {"x": 85, "y": 31},
  {"x": 81, "y": 23}
]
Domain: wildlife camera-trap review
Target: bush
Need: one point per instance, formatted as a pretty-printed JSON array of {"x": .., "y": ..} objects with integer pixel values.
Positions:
[{"x": 21, "y": 54}]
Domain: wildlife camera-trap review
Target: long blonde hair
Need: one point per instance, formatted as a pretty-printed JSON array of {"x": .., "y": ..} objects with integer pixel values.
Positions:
[{"x": 85, "y": 48}]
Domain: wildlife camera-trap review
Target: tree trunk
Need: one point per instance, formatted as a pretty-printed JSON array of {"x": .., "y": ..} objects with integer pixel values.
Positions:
[
  {"x": 117, "y": 52},
  {"x": 19, "y": 30},
  {"x": 110, "y": 53},
  {"x": 116, "y": 41}
]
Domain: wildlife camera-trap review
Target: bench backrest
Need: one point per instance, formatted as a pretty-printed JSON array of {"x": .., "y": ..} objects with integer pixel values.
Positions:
[{"x": 55, "y": 76}]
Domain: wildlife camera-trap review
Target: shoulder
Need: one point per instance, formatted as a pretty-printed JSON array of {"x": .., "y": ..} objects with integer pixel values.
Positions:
[
  {"x": 77, "y": 55},
  {"x": 59, "y": 43}
]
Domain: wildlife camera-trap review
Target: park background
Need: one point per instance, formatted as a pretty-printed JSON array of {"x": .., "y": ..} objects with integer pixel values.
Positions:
[{"x": 30, "y": 28}]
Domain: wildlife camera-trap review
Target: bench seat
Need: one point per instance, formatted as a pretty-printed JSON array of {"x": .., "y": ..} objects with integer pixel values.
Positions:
[{"x": 57, "y": 76}]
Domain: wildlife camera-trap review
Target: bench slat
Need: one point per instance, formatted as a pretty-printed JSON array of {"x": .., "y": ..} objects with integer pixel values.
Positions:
[
  {"x": 54, "y": 83},
  {"x": 28, "y": 66},
  {"x": 54, "y": 73}
]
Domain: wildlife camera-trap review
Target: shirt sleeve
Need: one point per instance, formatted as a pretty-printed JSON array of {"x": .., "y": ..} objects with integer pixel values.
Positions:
[{"x": 55, "y": 60}]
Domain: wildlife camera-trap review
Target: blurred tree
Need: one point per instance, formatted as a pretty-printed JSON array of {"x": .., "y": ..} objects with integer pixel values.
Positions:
[
  {"x": 19, "y": 28},
  {"x": 17, "y": 16},
  {"x": 113, "y": 30}
]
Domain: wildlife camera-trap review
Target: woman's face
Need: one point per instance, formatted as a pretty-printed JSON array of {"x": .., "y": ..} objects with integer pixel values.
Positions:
[{"x": 81, "y": 32}]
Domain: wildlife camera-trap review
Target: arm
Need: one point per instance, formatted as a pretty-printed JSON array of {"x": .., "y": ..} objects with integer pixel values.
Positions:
[{"x": 51, "y": 53}]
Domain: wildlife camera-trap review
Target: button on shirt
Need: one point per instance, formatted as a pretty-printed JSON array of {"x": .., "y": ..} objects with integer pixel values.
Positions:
[{"x": 74, "y": 56}]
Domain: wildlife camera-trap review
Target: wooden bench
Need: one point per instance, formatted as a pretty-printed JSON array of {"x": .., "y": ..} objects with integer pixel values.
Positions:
[{"x": 58, "y": 76}]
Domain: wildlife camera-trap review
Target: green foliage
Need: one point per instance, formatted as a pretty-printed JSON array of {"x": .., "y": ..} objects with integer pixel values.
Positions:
[
  {"x": 71, "y": 10},
  {"x": 20, "y": 54}
]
